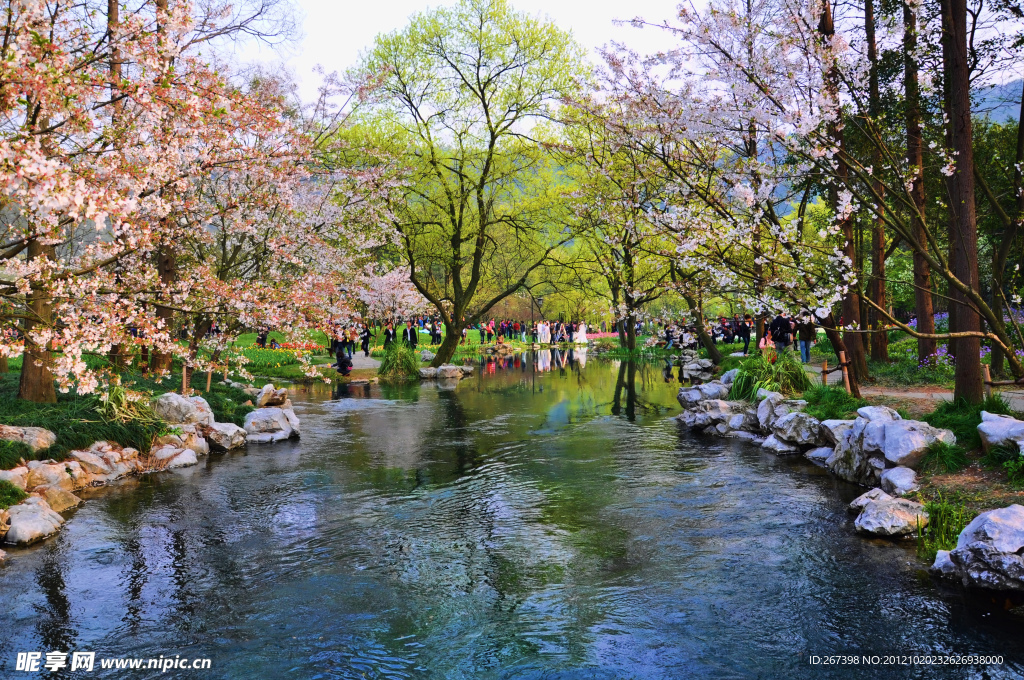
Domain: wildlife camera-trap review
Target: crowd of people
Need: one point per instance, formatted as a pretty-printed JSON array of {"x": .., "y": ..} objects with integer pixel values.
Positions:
[{"x": 782, "y": 332}]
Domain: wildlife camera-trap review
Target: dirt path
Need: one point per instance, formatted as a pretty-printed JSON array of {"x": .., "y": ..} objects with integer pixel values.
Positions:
[{"x": 927, "y": 394}]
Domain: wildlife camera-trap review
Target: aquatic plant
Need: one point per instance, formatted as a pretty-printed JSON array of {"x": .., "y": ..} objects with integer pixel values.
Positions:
[
  {"x": 946, "y": 519},
  {"x": 399, "y": 362},
  {"x": 772, "y": 371}
]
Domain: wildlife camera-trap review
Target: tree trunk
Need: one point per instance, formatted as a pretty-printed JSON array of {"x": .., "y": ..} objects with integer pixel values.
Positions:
[
  {"x": 449, "y": 345},
  {"x": 964, "y": 228},
  {"x": 167, "y": 268},
  {"x": 851, "y": 300},
  {"x": 926, "y": 347},
  {"x": 1009, "y": 236},
  {"x": 879, "y": 339},
  {"x": 36, "y": 377},
  {"x": 698, "y": 319},
  {"x": 630, "y": 328},
  {"x": 836, "y": 338},
  {"x": 115, "y": 355}
]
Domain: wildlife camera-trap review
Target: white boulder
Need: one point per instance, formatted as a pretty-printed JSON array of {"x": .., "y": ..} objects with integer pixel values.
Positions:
[
  {"x": 448, "y": 371},
  {"x": 58, "y": 499},
  {"x": 820, "y": 455},
  {"x": 988, "y": 553},
  {"x": 428, "y": 372},
  {"x": 32, "y": 520},
  {"x": 833, "y": 430},
  {"x": 907, "y": 441},
  {"x": 999, "y": 430},
  {"x": 269, "y": 396},
  {"x": 17, "y": 476},
  {"x": 797, "y": 428},
  {"x": 37, "y": 438},
  {"x": 225, "y": 436},
  {"x": 688, "y": 396},
  {"x": 899, "y": 481},
  {"x": 268, "y": 425},
  {"x": 896, "y": 517},
  {"x": 773, "y": 443},
  {"x": 174, "y": 408},
  {"x": 204, "y": 414},
  {"x": 876, "y": 494},
  {"x": 714, "y": 390},
  {"x": 729, "y": 376}
]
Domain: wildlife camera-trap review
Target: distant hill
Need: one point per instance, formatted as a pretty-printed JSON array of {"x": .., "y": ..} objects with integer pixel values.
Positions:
[{"x": 999, "y": 103}]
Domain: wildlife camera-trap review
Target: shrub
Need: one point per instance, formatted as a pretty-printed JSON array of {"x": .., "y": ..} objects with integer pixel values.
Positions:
[
  {"x": 946, "y": 519},
  {"x": 1015, "y": 471},
  {"x": 11, "y": 453},
  {"x": 399, "y": 362},
  {"x": 829, "y": 403},
  {"x": 10, "y": 494},
  {"x": 942, "y": 458},
  {"x": 998, "y": 456},
  {"x": 963, "y": 418},
  {"x": 772, "y": 371}
]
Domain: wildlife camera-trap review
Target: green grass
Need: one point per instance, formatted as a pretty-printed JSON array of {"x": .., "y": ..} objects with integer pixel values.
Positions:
[
  {"x": 963, "y": 418},
  {"x": 831, "y": 403},
  {"x": 998, "y": 456},
  {"x": 943, "y": 458},
  {"x": 1015, "y": 471},
  {"x": 12, "y": 452},
  {"x": 10, "y": 494},
  {"x": 946, "y": 519},
  {"x": 74, "y": 419},
  {"x": 775, "y": 372}
]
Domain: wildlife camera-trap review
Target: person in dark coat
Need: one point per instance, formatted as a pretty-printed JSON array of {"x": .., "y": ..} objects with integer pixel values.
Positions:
[
  {"x": 389, "y": 335},
  {"x": 409, "y": 334},
  {"x": 343, "y": 363},
  {"x": 365, "y": 336}
]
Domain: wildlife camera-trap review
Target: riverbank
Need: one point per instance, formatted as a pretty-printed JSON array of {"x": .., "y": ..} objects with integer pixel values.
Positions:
[
  {"x": 43, "y": 469},
  {"x": 894, "y": 457}
]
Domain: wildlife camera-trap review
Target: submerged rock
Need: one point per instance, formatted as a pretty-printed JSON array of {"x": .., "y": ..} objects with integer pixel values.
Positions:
[
  {"x": 773, "y": 443},
  {"x": 988, "y": 553},
  {"x": 448, "y": 372},
  {"x": 820, "y": 455},
  {"x": 896, "y": 517}
]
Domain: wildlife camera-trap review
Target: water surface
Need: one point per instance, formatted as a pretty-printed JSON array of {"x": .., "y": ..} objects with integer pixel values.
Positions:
[{"x": 531, "y": 523}]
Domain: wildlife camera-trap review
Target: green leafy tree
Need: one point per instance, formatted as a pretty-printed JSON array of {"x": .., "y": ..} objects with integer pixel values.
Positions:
[{"x": 464, "y": 106}]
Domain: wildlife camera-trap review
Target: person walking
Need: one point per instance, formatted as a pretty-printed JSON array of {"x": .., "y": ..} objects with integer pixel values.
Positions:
[
  {"x": 806, "y": 335},
  {"x": 389, "y": 335},
  {"x": 365, "y": 336},
  {"x": 743, "y": 331}
]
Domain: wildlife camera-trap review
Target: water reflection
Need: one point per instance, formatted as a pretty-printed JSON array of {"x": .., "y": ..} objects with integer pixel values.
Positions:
[{"x": 545, "y": 518}]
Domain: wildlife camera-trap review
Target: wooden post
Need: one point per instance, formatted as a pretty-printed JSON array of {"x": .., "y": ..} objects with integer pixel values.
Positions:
[
  {"x": 184, "y": 379},
  {"x": 209, "y": 378},
  {"x": 226, "y": 363},
  {"x": 846, "y": 373},
  {"x": 824, "y": 373},
  {"x": 986, "y": 373}
]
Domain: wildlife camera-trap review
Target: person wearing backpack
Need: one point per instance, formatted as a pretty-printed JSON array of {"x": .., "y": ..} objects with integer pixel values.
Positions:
[{"x": 782, "y": 332}]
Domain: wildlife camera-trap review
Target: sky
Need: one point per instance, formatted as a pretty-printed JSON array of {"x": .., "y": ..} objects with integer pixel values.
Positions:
[{"x": 335, "y": 32}]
